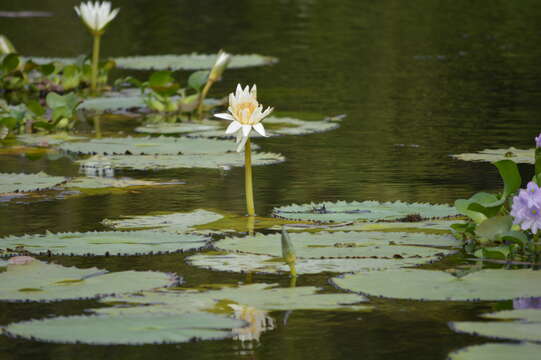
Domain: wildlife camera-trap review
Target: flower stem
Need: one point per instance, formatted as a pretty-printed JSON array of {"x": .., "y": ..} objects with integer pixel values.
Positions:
[
  {"x": 95, "y": 64},
  {"x": 97, "y": 126},
  {"x": 248, "y": 178},
  {"x": 202, "y": 97}
]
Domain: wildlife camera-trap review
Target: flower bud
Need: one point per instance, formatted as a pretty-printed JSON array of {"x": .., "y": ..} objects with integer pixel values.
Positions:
[{"x": 220, "y": 66}]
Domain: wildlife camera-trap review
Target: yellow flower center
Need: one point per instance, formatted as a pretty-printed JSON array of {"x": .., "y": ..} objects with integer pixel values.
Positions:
[
  {"x": 534, "y": 212},
  {"x": 244, "y": 111}
]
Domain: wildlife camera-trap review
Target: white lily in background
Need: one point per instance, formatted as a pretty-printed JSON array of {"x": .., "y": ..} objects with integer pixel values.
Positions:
[
  {"x": 246, "y": 114},
  {"x": 96, "y": 16},
  {"x": 215, "y": 74}
]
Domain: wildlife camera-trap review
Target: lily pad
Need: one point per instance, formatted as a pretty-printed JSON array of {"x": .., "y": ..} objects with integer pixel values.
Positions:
[
  {"x": 524, "y": 351},
  {"x": 344, "y": 245},
  {"x": 223, "y": 161},
  {"x": 492, "y": 155},
  {"x": 15, "y": 183},
  {"x": 47, "y": 140},
  {"x": 189, "y": 62},
  {"x": 105, "y": 243},
  {"x": 109, "y": 103},
  {"x": 176, "y": 222},
  {"x": 277, "y": 126},
  {"x": 266, "y": 297},
  {"x": 525, "y": 327},
  {"x": 264, "y": 264},
  {"x": 98, "y": 182},
  {"x": 127, "y": 330},
  {"x": 149, "y": 146},
  {"x": 490, "y": 284},
  {"x": 39, "y": 281},
  {"x": 180, "y": 128},
  {"x": 343, "y": 211}
]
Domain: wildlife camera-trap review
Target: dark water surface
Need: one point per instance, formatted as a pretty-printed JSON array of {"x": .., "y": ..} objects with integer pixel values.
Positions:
[{"x": 418, "y": 79}]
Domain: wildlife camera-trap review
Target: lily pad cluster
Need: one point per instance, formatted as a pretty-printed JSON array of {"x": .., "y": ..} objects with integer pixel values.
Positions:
[
  {"x": 104, "y": 243},
  {"x": 21, "y": 183}
]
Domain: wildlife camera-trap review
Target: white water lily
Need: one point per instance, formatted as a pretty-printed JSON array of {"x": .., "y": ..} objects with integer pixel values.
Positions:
[
  {"x": 245, "y": 113},
  {"x": 258, "y": 322},
  {"x": 96, "y": 15},
  {"x": 219, "y": 66}
]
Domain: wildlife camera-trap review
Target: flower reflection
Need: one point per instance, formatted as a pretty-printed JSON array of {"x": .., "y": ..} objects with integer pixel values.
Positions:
[{"x": 258, "y": 322}]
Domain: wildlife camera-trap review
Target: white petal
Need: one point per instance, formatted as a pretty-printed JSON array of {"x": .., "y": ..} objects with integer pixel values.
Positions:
[
  {"x": 225, "y": 116},
  {"x": 253, "y": 92},
  {"x": 242, "y": 143},
  {"x": 239, "y": 136},
  {"x": 260, "y": 129},
  {"x": 233, "y": 127},
  {"x": 246, "y": 130}
]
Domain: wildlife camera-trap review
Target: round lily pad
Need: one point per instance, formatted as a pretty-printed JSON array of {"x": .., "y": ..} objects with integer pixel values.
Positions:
[
  {"x": 15, "y": 183},
  {"x": 276, "y": 126},
  {"x": 490, "y": 284},
  {"x": 105, "y": 243},
  {"x": 343, "y": 211},
  {"x": 266, "y": 297},
  {"x": 524, "y": 351},
  {"x": 264, "y": 264},
  {"x": 39, "y": 281},
  {"x": 428, "y": 226},
  {"x": 189, "y": 62},
  {"x": 320, "y": 245},
  {"x": 176, "y": 128},
  {"x": 111, "y": 103},
  {"x": 176, "y": 222},
  {"x": 492, "y": 155},
  {"x": 47, "y": 140},
  {"x": 149, "y": 146},
  {"x": 98, "y": 182},
  {"x": 525, "y": 327},
  {"x": 127, "y": 330},
  {"x": 223, "y": 161}
]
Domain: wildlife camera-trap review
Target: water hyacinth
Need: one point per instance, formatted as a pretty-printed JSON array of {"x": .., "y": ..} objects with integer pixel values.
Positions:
[
  {"x": 245, "y": 114},
  {"x": 538, "y": 141},
  {"x": 526, "y": 208},
  {"x": 96, "y": 16}
]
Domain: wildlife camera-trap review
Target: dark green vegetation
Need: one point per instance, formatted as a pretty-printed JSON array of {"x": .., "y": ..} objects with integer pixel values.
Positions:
[{"x": 419, "y": 80}]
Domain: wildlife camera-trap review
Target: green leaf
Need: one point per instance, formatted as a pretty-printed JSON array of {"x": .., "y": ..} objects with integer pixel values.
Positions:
[
  {"x": 198, "y": 79},
  {"x": 492, "y": 228},
  {"x": 491, "y": 155},
  {"x": 489, "y": 284},
  {"x": 10, "y": 62},
  {"x": 55, "y": 100},
  {"x": 9, "y": 122},
  {"x": 35, "y": 107},
  {"x": 47, "y": 69},
  {"x": 510, "y": 175},
  {"x": 516, "y": 237},
  {"x": 45, "y": 125},
  {"x": 161, "y": 79},
  {"x": 523, "y": 351},
  {"x": 10, "y": 183},
  {"x": 538, "y": 164},
  {"x": 493, "y": 252}
]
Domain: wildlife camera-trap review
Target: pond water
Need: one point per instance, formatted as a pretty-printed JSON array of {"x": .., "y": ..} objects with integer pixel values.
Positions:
[{"x": 419, "y": 80}]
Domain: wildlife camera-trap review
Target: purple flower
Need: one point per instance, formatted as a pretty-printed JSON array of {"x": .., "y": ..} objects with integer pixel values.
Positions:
[
  {"x": 526, "y": 208},
  {"x": 538, "y": 141}
]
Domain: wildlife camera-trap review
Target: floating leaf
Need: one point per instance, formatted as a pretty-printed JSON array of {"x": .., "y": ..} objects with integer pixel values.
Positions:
[
  {"x": 111, "y": 103},
  {"x": 210, "y": 161},
  {"x": 39, "y": 281},
  {"x": 343, "y": 211},
  {"x": 249, "y": 263},
  {"x": 524, "y": 351},
  {"x": 493, "y": 155},
  {"x": 266, "y": 297},
  {"x": 149, "y": 146},
  {"x": 47, "y": 140},
  {"x": 438, "y": 285},
  {"x": 188, "y": 62},
  {"x": 526, "y": 327},
  {"x": 13, "y": 183},
  {"x": 96, "y": 182},
  {"x": 103, "y": 243},
  {"x": 277, "y": 126},
  {"x": 180, "y": 128},
  {"x": 176, "y": 222},
  {"x": 343, "y": 245},
  {"x": 127, "y": 330}
]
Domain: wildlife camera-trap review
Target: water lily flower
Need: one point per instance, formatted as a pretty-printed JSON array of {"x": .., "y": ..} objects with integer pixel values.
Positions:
[
  {"x": 245, "y": 113},
  {"x": 219, "y": 66},
  {"x": 526, "y": 208},
  {"x": 96, "y": 15}
]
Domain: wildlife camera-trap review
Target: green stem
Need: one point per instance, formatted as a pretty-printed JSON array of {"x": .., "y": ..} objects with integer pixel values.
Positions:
[
  {"x": 95, "y": 64},
  {"x": 202, "y": 97},
  {"x": 248, "y": 178},
  {"x": 97, "y": 127}
]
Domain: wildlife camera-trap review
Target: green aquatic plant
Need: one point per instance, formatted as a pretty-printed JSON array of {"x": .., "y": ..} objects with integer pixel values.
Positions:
[
  {"x": 21, "y": 183},
  {"x": 96, "y": 16},
  {"x": 245, "y": 114},
  {"x": 6, "y": 47},
  {"x": 40, "y": 281},
  {"x": 215, "y": 75},
  {"x": 523, "y": 351}
]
